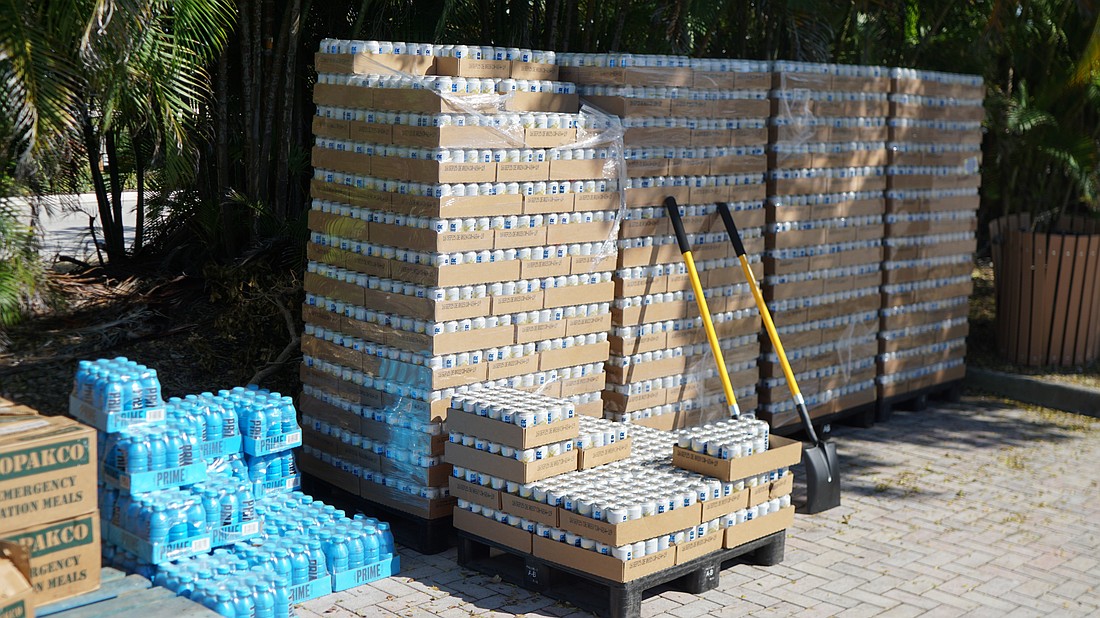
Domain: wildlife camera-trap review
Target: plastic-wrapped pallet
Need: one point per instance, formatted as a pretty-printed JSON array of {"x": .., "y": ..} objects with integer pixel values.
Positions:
[
  {"x": 931, "y": 216},
  {"x": 461, "y": 225},
  {"x": 695, "y": 130},
  {"x": 824, "y": 236}
]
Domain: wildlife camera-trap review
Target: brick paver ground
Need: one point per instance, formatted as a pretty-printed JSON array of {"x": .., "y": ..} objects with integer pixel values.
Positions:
[{"x": 978, "y": 509}]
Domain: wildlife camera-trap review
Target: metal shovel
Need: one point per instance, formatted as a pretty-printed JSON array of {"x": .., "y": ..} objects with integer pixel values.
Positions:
[{"x": 820, "y": 458}]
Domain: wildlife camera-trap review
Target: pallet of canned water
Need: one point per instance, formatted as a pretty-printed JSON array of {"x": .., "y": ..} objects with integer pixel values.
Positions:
[
  {"x": 603, "y": 521},
  {"x": 113, "y": 394}
]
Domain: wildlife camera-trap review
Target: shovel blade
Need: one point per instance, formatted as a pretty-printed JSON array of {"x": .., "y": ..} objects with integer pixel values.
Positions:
[{"x": 822, "y": 477}]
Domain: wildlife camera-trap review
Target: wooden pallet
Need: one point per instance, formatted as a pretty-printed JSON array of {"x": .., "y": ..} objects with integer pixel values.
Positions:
[
  {"x": 602, "y": 596},
  {"x": 427, "y": 536},
  {"x": 125, "y": 596},
  {"x": 917, "y": 400}
]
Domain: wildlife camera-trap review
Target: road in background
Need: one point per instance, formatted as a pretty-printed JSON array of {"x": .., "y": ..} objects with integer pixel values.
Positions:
[{"x": 64, "y": 223}]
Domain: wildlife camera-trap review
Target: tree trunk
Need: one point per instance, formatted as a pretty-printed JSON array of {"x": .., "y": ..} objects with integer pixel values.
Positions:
[
  {"x": 222, "y": 155},
  {"x": 91, "y": 145},
  {"x": 282, "y": 169},
  {"x": 552, "y": 24},
  {"x": 274, "y": 85},
  {"x": 117, "y": 240},
  {"x": 139, "y": 172},
  {"x": 249, "y": 111}
]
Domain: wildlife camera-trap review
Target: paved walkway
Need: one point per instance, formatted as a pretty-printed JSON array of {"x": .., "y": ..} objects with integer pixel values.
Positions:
[{"x": 976, "y": 509}]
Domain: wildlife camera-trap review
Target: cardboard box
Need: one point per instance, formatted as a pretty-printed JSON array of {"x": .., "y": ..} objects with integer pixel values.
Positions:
[
  {"x": 736, "y": 501},
  {"x": 473, "y": 492},
  {"x": 782, "y": 452},
  {"x": 64, "y": 556},
  {"x": 47, "y": 470},
  {"x": 538, "y": 512},
  {"x": 692, "y": 550},
  {"x": 770, "y": 491},
  {"x": 633, "y": 530},
  {"x": 16, "y": 591},
  {"x": 408, "y": 503},
  {"x": 607, "y": 567},
  {"x": 602, "y": 455},
  {"x": 507, "y": 468},
  {"x": 506, "y": 535},
  {"x": 757, "y": 528},
  {"x": 365, "y": 63},
  {"x": 510, "y": 434}
]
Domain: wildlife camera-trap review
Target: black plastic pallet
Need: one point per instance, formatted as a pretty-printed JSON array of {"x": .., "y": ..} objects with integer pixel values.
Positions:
[
  {"x": 602, "y": 596},
  {"x": 427, "y": 536},
  {"x": 917, "y": 400}
]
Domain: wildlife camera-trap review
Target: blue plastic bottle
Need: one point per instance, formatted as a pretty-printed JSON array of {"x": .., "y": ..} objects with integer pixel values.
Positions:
[
  {"x": 121, "y": 448},
  {"x": 243, "y": 601},
  {"x": 215, "y": 424},
  {"x": 137, "y": 455},
  {"x": 282, "y": 596},
  {"x": 186, "y": 586},
  {"x": 274, "y": 418},
  {"x": 256, "y": 419},
  {"x": 196, "y": 518},
  {"x": 317, "y": 564},
  {"x": 150, "y": 388},
  {"x": 386, "y": 543},
  {"x": 372, "y": 546},
  {"x": 158, "y": 450},
  {"x": 112, "y": 395},
  {"x": 290, "y": 466},
  {"x": 356, "y": 548},
  {"x": 229, "y": 421},
  {"x": 300, "y": 564},
  {"x": 289, "y": 414},
  {"x": 159, "y": 524},
  {"x": 82, "y": 369},
  {"x": 189, "y": 445},
  {"x": 231, "y": 509},
  {"x": 223, "y": 604},
  {"x": 248, "y": 503},
  {"x": 212, "y": 507},
  {"x": 136, "y": 393},
  {"x": 264, "y": 596},
  {"x": 174, "y": 444}
]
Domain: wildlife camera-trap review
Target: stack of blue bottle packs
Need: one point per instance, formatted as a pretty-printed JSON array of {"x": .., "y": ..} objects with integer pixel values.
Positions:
[
  {"x": 216, "y": 472},
  {"x": 308, "y": 549}
]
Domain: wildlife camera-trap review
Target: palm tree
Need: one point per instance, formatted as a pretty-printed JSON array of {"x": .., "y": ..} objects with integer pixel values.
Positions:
[{"x": 87, "y": 77}]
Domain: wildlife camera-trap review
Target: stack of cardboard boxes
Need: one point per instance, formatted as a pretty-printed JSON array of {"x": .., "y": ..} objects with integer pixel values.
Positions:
[
  {"x": 695, "y": 130},
  {"x": 931, "y": 216},
  {"x": 48, "y": 504},
  {"x": 460, "y": 225},
  {"x": 824, "y": 239}
]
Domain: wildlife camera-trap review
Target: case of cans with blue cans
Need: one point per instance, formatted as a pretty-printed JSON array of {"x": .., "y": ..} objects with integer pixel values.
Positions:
[{"x": 113, "y": 394}]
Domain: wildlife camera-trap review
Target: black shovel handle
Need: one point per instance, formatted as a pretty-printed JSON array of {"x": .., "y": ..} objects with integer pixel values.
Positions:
[
  {"x": 677, "y": 224},
  {"x": 731, "y": 228}
]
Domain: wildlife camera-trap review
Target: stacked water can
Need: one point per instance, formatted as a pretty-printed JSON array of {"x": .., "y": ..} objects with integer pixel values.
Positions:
[
  {"x": 462, "y": 206},
  {"x": 824, "y": 238},
  {"x": 931, "y": 216},
  {"x": 622, "y": 517},
  {"x": 694, "y": 130}
]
